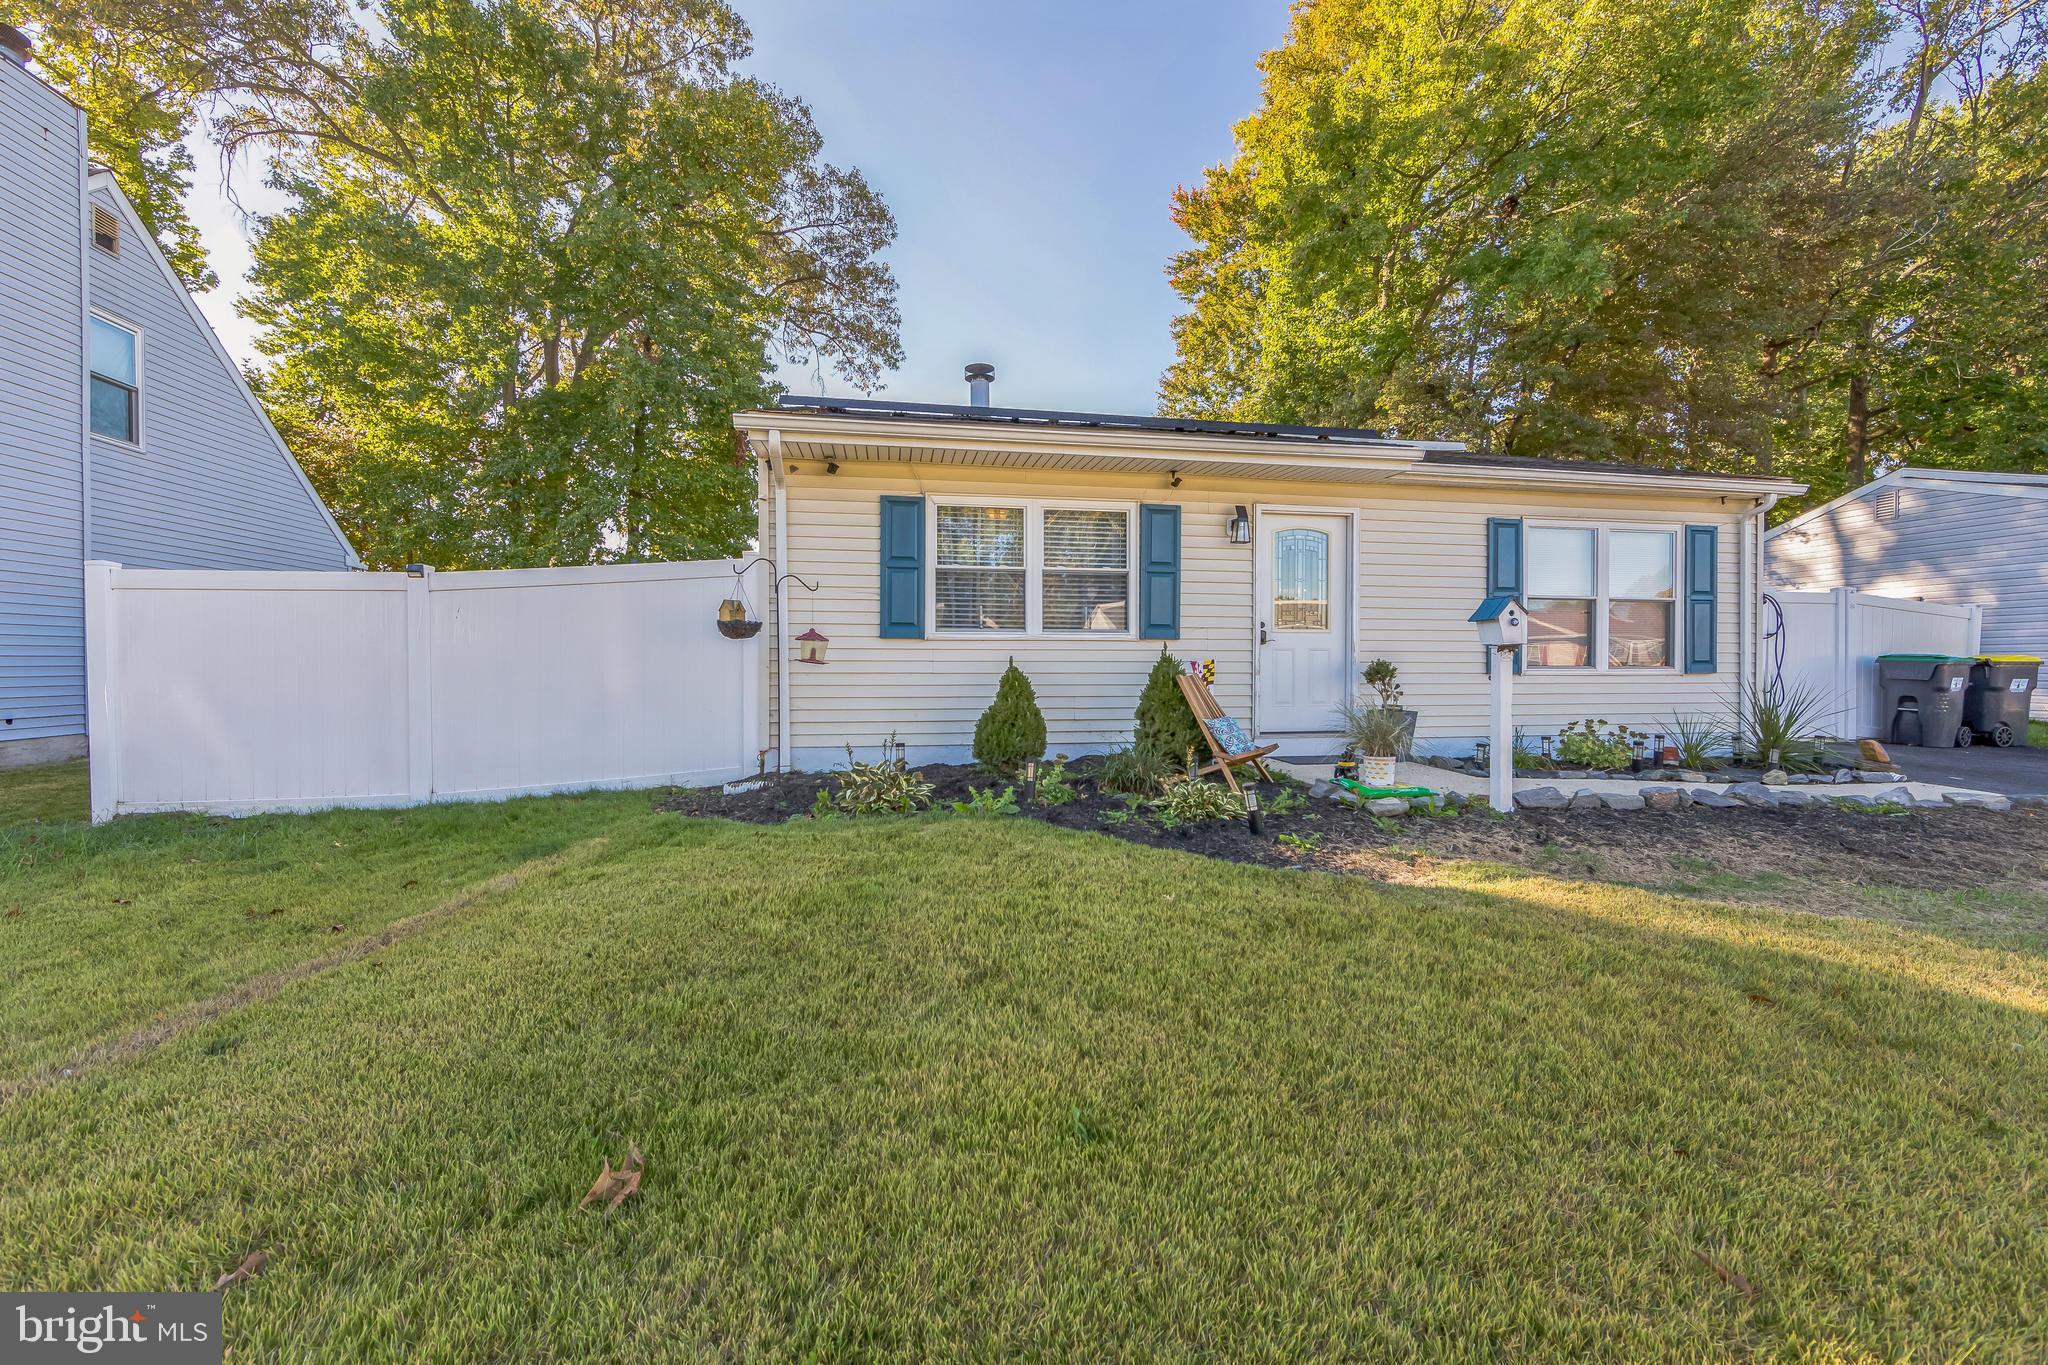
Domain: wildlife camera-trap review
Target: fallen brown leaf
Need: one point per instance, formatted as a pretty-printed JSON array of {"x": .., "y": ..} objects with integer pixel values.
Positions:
[
  {"x": 1732, "y": 1278},
  {"x": 251, "y": 1266},
  {"x": 612, "y": 1186},
  {"x": 122, "y": 900},
  {"x": 1759, "y": 998}
]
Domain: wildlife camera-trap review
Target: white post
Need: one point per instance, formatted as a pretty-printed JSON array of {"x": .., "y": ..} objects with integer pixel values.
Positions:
[
  {"x": 419, "y": 686},
  {"x": 1503, "y": 746},
  {"x": 102, "y": 704}
]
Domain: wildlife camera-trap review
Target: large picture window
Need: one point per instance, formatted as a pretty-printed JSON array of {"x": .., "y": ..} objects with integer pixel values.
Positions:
[
  {"x": 1601, "y": 597},
  {"x": 116, "y": 381},
  {"x": 1031, "y": 568}
]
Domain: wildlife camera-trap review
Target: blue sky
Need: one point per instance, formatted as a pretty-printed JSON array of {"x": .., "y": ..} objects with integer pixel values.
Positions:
[{"x": 1028, "y": 151}]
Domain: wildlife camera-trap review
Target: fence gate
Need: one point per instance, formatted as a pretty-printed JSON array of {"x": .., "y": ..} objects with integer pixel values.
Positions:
[{"x": 1831, "y": 641}]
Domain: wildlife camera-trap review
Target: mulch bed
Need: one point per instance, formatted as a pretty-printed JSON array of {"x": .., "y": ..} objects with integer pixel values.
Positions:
[{"x": 1928, "y": 849}]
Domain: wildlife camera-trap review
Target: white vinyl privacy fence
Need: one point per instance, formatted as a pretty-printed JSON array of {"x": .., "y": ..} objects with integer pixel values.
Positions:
[
  {"x": 236, "y": 692},
  {"x": 1832, "y": 640}
]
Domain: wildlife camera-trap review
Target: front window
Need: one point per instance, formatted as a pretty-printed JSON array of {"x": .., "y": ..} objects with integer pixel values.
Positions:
[
  {"x": 1087, "y": 569},
  {"x": 1561, "y": 601},
  {"x": 981, "y": 569},
  {"x": 1642, "y": 582},
  {"x": 116, "y": 392},
  {"x": 1601, "y": 597},
  {"x": 1031, "y": 568}
]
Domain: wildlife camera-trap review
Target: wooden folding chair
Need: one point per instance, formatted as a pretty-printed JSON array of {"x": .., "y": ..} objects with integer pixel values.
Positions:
[{"x": 1230, "y": 746}]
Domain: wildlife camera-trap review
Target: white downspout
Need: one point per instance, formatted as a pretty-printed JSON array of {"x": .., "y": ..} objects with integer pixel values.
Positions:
[
  {"x": 779, "y": 567},
  {"x": 1753, "y": 595}
]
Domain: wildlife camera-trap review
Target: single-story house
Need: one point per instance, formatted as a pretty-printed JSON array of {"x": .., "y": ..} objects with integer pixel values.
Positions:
[
  {"x": 128, "y": 433},
  {"x": 1945, "y": 535},
  {"x": 930, "y": 544}
]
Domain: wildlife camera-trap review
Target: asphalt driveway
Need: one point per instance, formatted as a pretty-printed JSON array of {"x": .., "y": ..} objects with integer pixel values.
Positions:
[{"x": 2011, "y": 772}]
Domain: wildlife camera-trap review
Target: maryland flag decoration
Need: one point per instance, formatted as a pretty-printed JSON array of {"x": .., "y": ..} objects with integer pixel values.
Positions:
[{"x": 1205, "y": 669}]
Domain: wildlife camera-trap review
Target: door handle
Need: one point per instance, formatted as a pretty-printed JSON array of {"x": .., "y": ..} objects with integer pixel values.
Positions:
[{"x": 1263, "y": 637}]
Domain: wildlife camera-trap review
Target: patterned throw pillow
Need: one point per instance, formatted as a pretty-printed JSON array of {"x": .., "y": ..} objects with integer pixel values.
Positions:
[{"x": 1230, "y": 735}]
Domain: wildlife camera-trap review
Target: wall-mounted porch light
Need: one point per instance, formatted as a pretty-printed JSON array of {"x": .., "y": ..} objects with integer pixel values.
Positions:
[{"x": 1240, "y": 527}]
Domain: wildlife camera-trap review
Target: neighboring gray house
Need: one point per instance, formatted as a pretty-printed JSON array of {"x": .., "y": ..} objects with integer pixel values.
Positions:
[
  {"x": 1945, "y": 535},
  {"x": 126, "y": 432}
]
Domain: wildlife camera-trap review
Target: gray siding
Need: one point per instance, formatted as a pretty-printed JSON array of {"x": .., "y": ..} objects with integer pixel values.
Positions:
[
  {"x": 1962, "y": 541},
  {"x": 42, "y": 395},
  {"x": 209, "y": 487}
]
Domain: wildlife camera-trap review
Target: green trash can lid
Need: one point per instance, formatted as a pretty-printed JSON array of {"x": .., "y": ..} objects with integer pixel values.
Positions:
[
  {"x": 2008, "y": 659},
  {"x": 1927, "y": 658}
]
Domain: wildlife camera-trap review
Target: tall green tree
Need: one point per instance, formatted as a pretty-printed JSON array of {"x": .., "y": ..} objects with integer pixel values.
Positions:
[
  {"x": 1680, "y": 233},
  {"x": 537, "y": 255}
]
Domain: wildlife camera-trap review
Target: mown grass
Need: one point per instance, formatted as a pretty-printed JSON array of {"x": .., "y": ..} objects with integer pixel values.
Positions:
[
  {"x": 2037, "y": 733},
  {"x": 986, "y": 1088},
  {"x": 45, "y": 792}
]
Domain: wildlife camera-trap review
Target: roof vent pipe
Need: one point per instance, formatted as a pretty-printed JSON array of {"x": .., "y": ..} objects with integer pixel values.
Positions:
[
  {"x": 979, "y": 377},
  {"x": 15, "y": 44}
]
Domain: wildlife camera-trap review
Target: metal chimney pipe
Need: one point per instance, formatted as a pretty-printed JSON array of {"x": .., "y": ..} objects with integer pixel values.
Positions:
[{"x": 979, "y": 377}]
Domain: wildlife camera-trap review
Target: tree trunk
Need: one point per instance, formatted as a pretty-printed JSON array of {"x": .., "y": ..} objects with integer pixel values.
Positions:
[{"x": 1859, "y": 430}]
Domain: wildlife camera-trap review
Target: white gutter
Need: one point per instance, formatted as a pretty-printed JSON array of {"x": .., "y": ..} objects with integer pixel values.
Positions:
[{"x": 775, "y": 566}]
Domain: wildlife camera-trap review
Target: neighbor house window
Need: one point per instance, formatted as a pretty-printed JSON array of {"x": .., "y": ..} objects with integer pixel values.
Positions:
[
  {"x": 1601, "y": 597},
  {"x": 116, "y": 380},
  {"x": 1031, "y": 568}
]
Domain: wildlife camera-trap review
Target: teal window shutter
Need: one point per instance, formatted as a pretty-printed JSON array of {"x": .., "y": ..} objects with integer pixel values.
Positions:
[
  {"x": 1505, "y": 570},
  {"x": 1159, "y": 572},
  {"x": 1702, "y": 614},
  {"x": 902, "y": 568}
]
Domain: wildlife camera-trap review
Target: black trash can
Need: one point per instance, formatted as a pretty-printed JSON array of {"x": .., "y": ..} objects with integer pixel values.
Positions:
[
  {"x": 2001, "y": 695},
  {"x": 1920, "y": 699}
]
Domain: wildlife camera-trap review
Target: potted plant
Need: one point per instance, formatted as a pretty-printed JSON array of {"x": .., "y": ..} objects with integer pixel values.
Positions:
[
  {"x": 1382, "y": 735},
  {"x": 1385, "y": 681}
]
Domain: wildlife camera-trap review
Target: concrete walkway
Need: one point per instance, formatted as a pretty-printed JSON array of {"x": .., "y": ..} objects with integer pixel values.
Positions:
[{"x": 1466, "y": 784}]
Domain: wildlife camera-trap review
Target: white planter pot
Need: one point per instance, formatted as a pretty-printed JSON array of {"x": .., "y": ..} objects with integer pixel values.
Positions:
[{"x": 1376, "y": 772}]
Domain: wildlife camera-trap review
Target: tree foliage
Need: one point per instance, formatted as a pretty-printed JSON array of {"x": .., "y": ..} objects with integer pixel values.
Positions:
[
  {"x": 1728, "y": 234},
  {"x": 537, "y": 252}
]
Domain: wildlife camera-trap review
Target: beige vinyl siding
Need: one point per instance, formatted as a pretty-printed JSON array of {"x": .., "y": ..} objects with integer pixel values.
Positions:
[{"x": 1420, "y": 570}]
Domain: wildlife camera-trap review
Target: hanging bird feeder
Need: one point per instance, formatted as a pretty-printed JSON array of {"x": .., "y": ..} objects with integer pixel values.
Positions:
[
  {"x": 736, "y": 618},
  {"x": 811, "y": 646}
]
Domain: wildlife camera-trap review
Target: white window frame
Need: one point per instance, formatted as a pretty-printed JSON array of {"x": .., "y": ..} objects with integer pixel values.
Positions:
[
  {"x": 1603, "y": 601},
  {"x": 1034, "y": 566},
  {"x": 134, "y": 330}
]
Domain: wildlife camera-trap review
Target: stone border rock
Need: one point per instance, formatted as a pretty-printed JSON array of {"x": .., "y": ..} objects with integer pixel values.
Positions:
[{"x": 1661, "y": 796}]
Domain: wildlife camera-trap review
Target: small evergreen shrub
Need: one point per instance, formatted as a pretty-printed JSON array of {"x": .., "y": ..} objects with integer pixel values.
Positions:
[
  {"x": 1011, "y": 732},
  {"x": 1167, "y": 732}
]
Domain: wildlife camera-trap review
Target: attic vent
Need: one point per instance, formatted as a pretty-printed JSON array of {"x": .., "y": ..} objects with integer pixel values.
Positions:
[
  {"x": 1888, "y": 504},
  {"x": 106, "y": 231}
]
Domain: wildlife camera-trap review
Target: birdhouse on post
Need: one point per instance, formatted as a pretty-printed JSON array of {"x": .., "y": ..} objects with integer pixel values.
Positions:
[{"x": 1503, "y": 628}]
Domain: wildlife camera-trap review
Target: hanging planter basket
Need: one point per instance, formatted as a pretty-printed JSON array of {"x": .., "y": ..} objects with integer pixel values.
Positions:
[{"x": 736, "y": 621}]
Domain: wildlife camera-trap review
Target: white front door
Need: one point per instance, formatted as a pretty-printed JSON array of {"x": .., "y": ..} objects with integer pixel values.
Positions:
[{"x": 1304, "y": 604}]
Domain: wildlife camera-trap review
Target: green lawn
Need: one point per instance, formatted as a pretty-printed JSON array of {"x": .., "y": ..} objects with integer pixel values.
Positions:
[
  {"x": 49, "y": 791},
  {"x": 2037, "y": 733},
  {"x": 945, "y": 1087}
]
